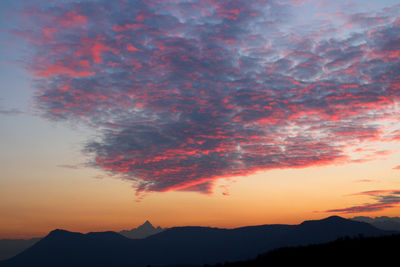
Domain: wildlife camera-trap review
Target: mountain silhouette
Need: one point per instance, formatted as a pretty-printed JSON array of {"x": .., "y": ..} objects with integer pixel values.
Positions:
[
  {"x": 64, "y": 248},
  {"x": 383, "y": 222},
  {"x": 11, "y": 247},
  {"x": 183, "y": 245},
  {"x": 143, "y": 231},
  {"x": 358, "y": 251}
]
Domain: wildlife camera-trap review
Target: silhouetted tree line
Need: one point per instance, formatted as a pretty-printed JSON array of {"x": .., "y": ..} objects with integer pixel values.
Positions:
[{"x": 344, "y": 251}]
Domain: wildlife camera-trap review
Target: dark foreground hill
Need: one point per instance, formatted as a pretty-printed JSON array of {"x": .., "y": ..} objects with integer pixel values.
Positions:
[
  {"x": 345, "y": 251},
  {"x": 183, "y": 245}
]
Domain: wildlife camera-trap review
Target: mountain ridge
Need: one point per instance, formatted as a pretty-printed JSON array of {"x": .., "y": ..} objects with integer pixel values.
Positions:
[
  {"x": 382, "y": 222},
  {"x": 11, "y": 247},
  {"x": 184, "y": 245}
]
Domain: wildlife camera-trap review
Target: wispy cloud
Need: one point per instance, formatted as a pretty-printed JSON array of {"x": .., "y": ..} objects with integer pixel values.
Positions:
[
  {"x": 187, "y": 92},
  {"x": 364, "y": 181},
  {"x": 10, "y": 112},
  {"x": 72, "y": 166},
  {"x": 383, "y": 199}
]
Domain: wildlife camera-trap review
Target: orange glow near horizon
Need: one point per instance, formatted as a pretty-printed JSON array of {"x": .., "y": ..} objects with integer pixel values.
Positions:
[{"x": 275, "y": 197}]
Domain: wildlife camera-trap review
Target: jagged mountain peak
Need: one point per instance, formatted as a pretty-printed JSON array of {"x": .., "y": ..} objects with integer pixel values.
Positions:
[
  {"x": 142, "y": 231},
  {"x": 147, "y": 223}
]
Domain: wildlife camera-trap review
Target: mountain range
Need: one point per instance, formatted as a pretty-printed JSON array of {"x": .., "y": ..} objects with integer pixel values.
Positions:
[
  {"x": 11, "y": 247},
  {"x": 183, "y": 245},
  {"x": 383, "y": 222}
]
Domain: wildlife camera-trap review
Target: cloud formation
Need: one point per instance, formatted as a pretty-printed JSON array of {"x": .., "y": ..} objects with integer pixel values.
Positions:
[
  {"x": 187, "y": 92},
  {"x": 383, "y": 199},
  {"x": 10, "y": 112}
]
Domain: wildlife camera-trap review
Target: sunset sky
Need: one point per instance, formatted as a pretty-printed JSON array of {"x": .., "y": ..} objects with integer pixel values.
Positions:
[{"x": 196, "y": 112}]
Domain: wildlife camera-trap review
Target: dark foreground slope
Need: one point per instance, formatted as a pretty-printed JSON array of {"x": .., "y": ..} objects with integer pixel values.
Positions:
[
  {"x": 346, "y": 251},
  {"x": 183, "y": 245}
]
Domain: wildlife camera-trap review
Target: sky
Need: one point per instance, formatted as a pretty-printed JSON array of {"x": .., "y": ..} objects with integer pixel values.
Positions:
[{"x": 212, "y": 113}]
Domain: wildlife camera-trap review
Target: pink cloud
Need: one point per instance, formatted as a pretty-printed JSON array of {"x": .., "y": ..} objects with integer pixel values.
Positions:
[
  {"x": 182, "y": 95},
  {"x": 383, "y": 199}
]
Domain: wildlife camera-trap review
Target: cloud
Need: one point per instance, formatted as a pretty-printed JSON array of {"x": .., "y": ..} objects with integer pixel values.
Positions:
[
  {"x": 71, "y": 166},
  {"x": 364, "y": 181},
  {"x": 377, "y": 192},
  {"x": 10, "y": 112},
  {"x": 383, "y": 199},
  {"x": 187, "y": 92},
  {"x": 396, "y": 168}
]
